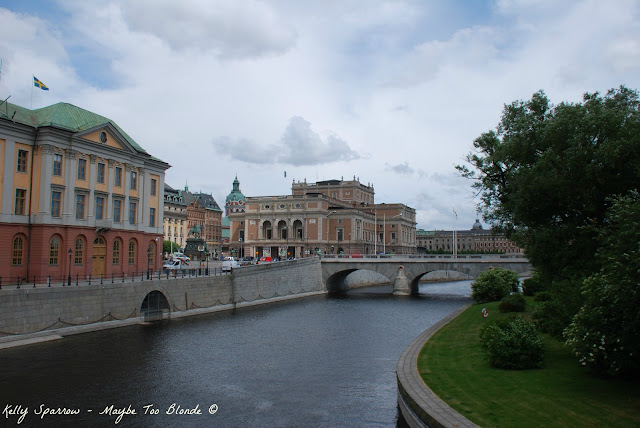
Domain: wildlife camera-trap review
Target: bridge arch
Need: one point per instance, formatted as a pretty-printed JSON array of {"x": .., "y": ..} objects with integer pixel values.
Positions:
[
  {"x": 337, "y": 282},
  {"x": 154, "y": 305}
]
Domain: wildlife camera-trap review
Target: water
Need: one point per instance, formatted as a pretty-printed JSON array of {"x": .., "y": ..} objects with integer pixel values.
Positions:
[{"x": 326, "y": 361}]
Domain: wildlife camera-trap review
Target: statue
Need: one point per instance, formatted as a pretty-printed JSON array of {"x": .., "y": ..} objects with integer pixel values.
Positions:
[{"x": 195, "y": 231}]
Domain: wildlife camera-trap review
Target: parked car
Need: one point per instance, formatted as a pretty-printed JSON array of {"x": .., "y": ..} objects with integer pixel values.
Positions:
[
  {"x": 229, "y": 265},
  {"x": 265, "y": 260}
]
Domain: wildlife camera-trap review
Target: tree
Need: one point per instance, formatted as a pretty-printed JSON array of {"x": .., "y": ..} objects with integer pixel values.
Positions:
[
  {"x": 167, "y": 246},
  {"x": 494, "y": 284},
  {"x": 545, "y": 175},
  {"x": 605, "y": 334}
]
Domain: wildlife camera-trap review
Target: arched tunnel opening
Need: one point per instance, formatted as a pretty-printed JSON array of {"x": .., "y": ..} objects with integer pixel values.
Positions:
[{"x": 154, "y": 305}]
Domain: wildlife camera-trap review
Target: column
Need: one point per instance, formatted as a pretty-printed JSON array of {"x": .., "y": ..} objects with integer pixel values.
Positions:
[
  {"x": 69, "y": 184},
  {"x": 92, "y": 186},
  {"x": 110, "y": 178},
  {"x": 46, "y": 171}
]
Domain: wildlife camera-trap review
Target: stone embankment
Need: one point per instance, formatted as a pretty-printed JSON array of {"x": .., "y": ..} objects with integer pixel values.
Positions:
[{"x": 419, "y": 405}]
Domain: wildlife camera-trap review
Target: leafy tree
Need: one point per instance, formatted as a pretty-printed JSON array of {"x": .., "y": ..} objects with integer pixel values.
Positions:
[
  {"x": 166, "y": 246},
  {"x": 546, "y": 177},
  {"x": 545, "y": 174},
  {"x": 605, "y": 334}
]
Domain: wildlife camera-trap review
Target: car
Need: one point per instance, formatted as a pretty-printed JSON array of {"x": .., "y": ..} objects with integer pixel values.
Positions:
[
  {"x": 175, "y": 264},
  {"x": 229, "y": 265},
  {"x": 265, "y": 260}
]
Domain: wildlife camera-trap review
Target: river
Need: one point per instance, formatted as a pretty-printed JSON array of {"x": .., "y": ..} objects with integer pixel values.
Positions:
[{"x": 325, "y": 361}]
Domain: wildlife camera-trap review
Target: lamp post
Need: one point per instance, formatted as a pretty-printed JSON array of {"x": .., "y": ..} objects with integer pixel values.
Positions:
[
  {"x": 148, "y": 261},
  {"x": 69, "y": 277},
  {"x": 241, "y": 249},
  {"x": 455, "y": 246},
  {"x": 349, "y": 245},
  {"x": 286, "y": 235},
  {"x": 332, "y": 212}
]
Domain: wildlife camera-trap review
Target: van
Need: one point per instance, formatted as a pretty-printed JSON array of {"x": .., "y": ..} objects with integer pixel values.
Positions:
[
  {"x": 176, "y": 264},
  {"x": 229, "y": 265}
]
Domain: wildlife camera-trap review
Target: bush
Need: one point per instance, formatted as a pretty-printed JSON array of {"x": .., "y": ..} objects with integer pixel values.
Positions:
[
  {"x": 533, "y": 285},
  {"x": 512, "y": 303},
  {"x": 494, "y": 284},
  {"x": 555, "y": 314},
  {"x": 512, "y": 344},
  {"x": 542, "y": 296}
]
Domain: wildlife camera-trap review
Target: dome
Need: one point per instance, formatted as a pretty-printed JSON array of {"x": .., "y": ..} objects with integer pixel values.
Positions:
[
  {"x": 235, "y": 195},
  {"x": 476, "y": 225}
]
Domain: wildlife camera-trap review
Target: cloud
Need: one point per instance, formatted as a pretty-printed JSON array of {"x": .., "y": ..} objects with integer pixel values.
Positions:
[
  {"x": 298, "y": 146},
  {"x": 402, "y": 168},
  {"x": 230, "y": 29}
]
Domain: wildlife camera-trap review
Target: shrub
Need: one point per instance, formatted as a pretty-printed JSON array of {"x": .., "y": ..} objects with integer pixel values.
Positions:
[
  {"x": 512, "y": 303},
  {"x": 533, "y": 285},
  {"x": 542, "y": 296},
  {"x": 494, "y": 284},
  {"x": 554, "y": 315},
  {"x": 512, "y": 344}
]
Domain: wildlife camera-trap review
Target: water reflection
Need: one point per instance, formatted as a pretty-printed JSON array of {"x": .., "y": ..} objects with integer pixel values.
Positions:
[{"x": 317, "y": 362}]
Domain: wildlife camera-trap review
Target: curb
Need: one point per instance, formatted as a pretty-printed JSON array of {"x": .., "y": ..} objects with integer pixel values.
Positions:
[{"x": 419, "y": 405}]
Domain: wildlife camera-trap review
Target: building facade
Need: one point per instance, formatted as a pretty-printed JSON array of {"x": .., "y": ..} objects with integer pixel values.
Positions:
[
  {"x": 476, "y": 240},
  {"x": 185, "y": 210},
  {"x": 78, "y": 198},
  {"x": 327, "y": 217}
]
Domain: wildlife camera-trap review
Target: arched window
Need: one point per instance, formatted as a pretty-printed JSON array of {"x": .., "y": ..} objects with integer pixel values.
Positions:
[
  {"x": 77, "y": 255},
  {"x": 54, "y": 250},
  {"x": 18, "y": 251},
  {"x": 132, "y": 252},
  {"x": 116, "y": 251}
]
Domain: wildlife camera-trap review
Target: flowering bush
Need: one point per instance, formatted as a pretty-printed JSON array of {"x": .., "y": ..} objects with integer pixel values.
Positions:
[
  {"x": 512, "y": 344},
  {"x": 494, "y": 284},
  {"x": 605, "y": 333}
]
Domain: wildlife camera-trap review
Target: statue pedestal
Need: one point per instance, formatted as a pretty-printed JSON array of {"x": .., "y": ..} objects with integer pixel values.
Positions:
[{"x": 195, "y": 248}]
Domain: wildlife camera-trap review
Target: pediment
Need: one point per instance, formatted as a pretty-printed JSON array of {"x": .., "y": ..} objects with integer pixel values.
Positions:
[{"x": 106, "y": 135}]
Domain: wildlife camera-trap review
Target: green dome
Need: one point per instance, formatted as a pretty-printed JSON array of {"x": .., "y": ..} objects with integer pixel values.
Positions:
[{"x": 236, "y": 194}]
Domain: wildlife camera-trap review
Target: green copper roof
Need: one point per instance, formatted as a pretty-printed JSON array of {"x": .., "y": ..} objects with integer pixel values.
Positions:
[
  {"x": 63, "y": 116},
  {"x": 236, "y": 194}
]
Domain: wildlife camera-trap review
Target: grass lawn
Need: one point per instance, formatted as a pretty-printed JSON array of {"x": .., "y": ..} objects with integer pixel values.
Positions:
[{"x": 562, "y": 394}]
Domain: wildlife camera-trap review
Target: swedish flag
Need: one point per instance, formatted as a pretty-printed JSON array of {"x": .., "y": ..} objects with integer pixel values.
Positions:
[{"x": 39, "y": 84}]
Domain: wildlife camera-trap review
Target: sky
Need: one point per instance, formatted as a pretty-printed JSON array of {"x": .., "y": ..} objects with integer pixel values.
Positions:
[{"x": 392, "y": 93}]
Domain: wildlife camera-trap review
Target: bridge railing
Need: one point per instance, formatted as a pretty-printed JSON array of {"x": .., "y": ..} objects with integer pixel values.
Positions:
[{"x": 422, "y": 256}]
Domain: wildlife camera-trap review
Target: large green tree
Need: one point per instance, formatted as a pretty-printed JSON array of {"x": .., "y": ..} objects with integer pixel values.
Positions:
[
  {"x": 549, "y": 176},
  {"x": 545, "y": 175}
]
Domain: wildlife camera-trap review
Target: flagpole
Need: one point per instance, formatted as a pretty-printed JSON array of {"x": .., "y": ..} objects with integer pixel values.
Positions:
[{"x": 33, "y": 79}]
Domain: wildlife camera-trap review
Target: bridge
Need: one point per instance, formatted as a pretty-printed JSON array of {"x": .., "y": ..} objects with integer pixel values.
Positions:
[{"x": 405, "y": 272}]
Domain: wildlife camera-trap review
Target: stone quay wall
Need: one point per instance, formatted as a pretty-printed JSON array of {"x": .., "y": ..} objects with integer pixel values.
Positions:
[{"x": 64, "y": 309}]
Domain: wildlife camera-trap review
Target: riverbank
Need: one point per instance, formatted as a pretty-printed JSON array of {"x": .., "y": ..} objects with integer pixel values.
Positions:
[{"x": 561, "y": 394}]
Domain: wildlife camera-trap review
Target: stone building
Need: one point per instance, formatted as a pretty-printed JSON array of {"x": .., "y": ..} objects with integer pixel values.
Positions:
[
  {"x": 476, "y": 240},
  {"x": 184, "y": 210},
  {"x": 327, "y": 217},
  {"x": 79, "y": 196}
]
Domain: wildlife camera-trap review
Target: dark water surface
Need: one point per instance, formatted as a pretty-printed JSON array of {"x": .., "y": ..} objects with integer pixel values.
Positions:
[{"x": 326, "y": 361}]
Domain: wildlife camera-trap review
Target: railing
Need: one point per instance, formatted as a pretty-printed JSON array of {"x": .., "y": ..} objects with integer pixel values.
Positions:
[
  {"x": 422, "y": 256},
  {"x": 35, "y": 281}
]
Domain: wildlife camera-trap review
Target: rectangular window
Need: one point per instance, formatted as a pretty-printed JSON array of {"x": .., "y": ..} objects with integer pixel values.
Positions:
[
  {"x": 21, "y": 197},
  {"x": 152, "y": 217},
  {"x": 340, "y": 234},
  {"x": 82, "y": 169},
  {"x": 57, "y": 164},
  {"x": 100, "y": 173},
  {"x": 132, "y": 212},
  {"x": 99, "y": 207},
  {"x": 21, "y": 164},
  {"x": 153, "y": 187},
  {"x": 134, "y": 180},
  {"x": 116, "y": 252},
  {"x": 56, "y": 199},
  {"x": 118, "y": 177},
  {"x": 80, "y": 200},
  {"x": 117, "y": 210}
]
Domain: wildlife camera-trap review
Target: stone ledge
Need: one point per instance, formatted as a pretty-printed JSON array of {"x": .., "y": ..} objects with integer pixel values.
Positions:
[{"x": 418, "y": 404}]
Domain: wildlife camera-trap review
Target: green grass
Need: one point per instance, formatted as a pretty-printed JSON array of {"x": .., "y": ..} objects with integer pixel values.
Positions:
[{"x": 562, "y": 394}]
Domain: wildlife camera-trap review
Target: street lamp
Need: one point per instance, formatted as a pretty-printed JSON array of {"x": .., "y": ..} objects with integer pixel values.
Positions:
[
  {"x": 286, "y": 235},
  {"x": 455, "y": 246},
  {"x": 69, "y": 277},
  {"x": 241, "y": 249},
  {"x": 332, "y": 212},
  {"x": 148, "y": 261}
]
